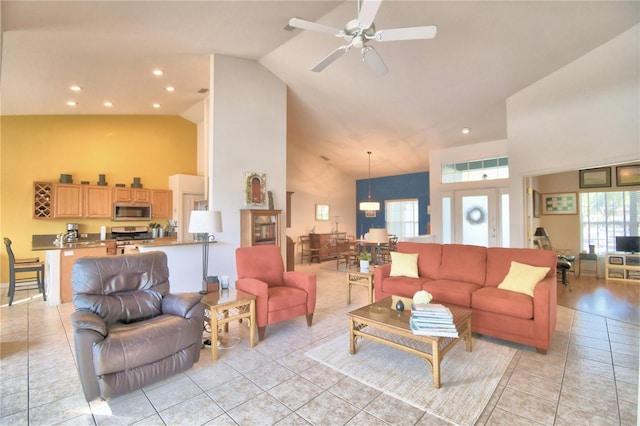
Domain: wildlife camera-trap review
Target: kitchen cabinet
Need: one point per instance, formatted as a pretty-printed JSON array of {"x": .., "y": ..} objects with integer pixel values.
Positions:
[
  {"x": 327, "y": 244},
  {"x": 97, "y": 202},
  {"x": 42, "y": 200},
  {"x": 67, "y": 200},
  {"x": 259, "y": 227},
  {"x": 161, "y": 203},
  {"x": 67, "y": 258},
  {"x": 133, "y": 195}
]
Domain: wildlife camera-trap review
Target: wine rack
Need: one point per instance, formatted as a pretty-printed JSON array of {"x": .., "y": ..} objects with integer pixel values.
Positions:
[{"x": 42, "y": 194}]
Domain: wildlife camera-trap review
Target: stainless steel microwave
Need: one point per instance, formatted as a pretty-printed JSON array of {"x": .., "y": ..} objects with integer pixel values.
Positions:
[{"x": 131, "y": 211}]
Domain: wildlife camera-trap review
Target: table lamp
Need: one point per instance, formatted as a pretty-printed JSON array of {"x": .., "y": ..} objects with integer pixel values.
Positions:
[
  {"x": 205, "y": 223},
  {"x": 378, "y": 236}
]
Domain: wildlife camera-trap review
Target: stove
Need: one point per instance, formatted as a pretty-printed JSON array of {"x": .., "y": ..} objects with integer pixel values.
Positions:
[{"x": 128, "y": 237}]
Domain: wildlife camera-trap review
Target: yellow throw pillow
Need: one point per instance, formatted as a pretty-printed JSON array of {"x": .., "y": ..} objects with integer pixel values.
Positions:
[
  {"x": 404, "y": 264},
  {"x": 523, "y": 278}
]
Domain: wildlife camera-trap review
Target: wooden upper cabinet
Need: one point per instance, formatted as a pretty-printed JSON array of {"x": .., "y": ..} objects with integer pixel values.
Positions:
[
  {"x": 161, "y": 203},
  {"x": 67, "y": 200},
  {"x": 133, "y": 195},
  {"x": 98, "y": 202}
]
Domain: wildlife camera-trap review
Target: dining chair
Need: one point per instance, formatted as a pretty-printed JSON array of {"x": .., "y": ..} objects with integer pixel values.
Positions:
[{"x": 24, "y": 266}]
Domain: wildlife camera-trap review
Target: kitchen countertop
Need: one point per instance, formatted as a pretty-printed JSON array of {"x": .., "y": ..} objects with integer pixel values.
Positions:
[
  {"x": 80, "y": 244},
  {"x": 42, "y": 242},
  {"x": 173, "y": 243}
]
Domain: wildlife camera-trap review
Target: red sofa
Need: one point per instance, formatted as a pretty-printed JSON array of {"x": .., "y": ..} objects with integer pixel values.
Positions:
[{"x": 468, "y": 276}]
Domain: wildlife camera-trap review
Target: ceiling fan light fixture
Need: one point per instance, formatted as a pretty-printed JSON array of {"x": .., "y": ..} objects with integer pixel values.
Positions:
[{"x": 369, "y": 205}]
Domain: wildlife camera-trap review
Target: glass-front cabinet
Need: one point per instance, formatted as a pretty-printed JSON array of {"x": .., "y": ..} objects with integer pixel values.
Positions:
[{"x": 259, "y": 227}]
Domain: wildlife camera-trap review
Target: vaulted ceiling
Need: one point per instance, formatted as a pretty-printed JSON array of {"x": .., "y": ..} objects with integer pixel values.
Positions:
[{"x": 483, "y": 53}]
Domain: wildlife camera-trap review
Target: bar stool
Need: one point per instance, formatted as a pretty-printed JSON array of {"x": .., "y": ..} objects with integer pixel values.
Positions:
[{"x": 21, "y": 266}]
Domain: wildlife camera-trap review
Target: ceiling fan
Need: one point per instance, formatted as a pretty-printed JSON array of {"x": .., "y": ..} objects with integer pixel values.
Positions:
[{"x": 358, "y": 32}]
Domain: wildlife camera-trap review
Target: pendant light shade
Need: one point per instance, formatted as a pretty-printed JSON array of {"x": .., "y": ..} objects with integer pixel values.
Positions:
[{"x": 369, "y": 204}]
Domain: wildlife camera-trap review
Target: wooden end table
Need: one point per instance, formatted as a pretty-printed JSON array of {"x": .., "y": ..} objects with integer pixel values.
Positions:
[
  {"x": 228, "y": 305},
  {"x": 363, "y": 278},
  {"x": 382, "y": 324}
]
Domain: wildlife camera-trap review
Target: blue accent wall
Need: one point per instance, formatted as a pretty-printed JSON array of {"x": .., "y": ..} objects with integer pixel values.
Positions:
[{"x": 414, "y": 185}]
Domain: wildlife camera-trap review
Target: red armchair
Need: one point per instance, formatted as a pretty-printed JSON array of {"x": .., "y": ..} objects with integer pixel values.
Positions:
[{"x": 280, "y": 295}]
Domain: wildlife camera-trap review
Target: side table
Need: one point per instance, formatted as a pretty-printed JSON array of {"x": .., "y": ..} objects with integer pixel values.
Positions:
[
  {"x": 363, "y": 278},
  {"x": 228, "y": 305}
]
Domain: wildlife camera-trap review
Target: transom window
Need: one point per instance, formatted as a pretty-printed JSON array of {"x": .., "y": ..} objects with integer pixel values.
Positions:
[
  {"x": 402, "y": 217},
  {"x": 476, "y": 170}
]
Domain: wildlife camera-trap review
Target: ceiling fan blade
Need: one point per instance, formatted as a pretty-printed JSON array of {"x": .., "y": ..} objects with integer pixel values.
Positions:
[
  {"x": 313, "y": 26},
  {"x": 330, "y": 58},
  {"x": 367, "y": 12},
  {"x": 374, "y": 60},
  {"x": 410, "y": 33}
]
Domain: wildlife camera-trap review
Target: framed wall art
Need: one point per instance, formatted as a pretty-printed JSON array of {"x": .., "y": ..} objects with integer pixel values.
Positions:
[
  {"x": 535, "y": 202},
  {"x": 595, "y": 178},
  {"x": 628, "y": 175},
  {"x": 255, "y": 189},
  {"x": 322, "y": 212},
  {"x": 370, "y": 213},
  {"x": 563, "y": 203}
]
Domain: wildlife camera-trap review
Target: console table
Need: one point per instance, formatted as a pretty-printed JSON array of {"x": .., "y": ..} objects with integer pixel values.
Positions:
[{"x": 327, "y": 244}]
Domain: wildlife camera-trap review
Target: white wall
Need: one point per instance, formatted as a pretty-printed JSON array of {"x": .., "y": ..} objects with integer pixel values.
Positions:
[
  {"x": 248, "y": 135},
  {"x": 584, "y": 115},
  {"x": 314, "y": 181}
]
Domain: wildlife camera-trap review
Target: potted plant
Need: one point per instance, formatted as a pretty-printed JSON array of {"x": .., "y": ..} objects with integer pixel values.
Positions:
[{"x": 365, "y": 258}]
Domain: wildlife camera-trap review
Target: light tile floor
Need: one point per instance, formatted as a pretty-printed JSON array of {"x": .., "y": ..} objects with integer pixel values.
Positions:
[{"x": 589, "y": 376}]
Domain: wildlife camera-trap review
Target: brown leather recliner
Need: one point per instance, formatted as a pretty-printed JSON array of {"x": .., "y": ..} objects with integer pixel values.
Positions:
[{"x": 129, "y": 331}]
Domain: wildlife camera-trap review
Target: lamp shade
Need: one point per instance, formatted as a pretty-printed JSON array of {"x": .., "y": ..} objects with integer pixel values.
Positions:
[
  {"x": 378, "y": 235},
  {"x": 369, "y": 205},
  {"x": 541, "y": 232},
  {"x": 205, "y": 222}
]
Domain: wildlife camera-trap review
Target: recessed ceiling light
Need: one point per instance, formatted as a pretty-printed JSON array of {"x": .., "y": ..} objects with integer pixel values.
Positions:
[
  {"x": 156, "y": 105},
  {"x": 466, "y": 130},
  {"x": 75, "y": 88},
  {"x": 169, "y": 88},
  {"x": 108, "y": 103},
  {"x": 157, "y": 72},
  {"x": 72, "y": 103}
]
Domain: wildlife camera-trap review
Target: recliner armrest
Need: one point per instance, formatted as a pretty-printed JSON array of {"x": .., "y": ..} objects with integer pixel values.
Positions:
[
  {"x": 180, "y": 304},
  {"x": 86, "y": 320}
]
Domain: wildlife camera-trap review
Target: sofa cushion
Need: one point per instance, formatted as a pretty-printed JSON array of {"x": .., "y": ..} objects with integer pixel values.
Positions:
[
  {"x": 523, "y": 278},
  {"x": 429, "y": 256},
  {"x": 404, "y": 264},
  {"x": 499, "y": 261},
  {"x": 401, "y": 286},
  {"x": 504, "y": 302},
  {"x": 451, "y": 291},
  {"x": 463, "y": 263}
]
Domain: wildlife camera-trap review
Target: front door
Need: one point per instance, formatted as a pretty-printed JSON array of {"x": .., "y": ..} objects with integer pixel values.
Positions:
[{"x": 476, "y": 217}]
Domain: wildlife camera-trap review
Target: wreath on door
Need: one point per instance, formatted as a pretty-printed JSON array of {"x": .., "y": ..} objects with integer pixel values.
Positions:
[{"x": 476, "y": 215}]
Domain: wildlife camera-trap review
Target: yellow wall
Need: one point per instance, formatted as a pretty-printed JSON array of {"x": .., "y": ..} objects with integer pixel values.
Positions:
[{"x": 40, "y": 148}]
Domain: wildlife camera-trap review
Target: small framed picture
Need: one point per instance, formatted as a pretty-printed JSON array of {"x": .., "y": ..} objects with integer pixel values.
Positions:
[
  {"x": 370, "y": 213},
  {"x": 535, "y": 195},
  {"x": 616, "y": 260},
  {"x": 595, "y": 178},
  {"x": 564, "y": 203},
  {"x": 322, "y": 211},
  {"x": 628, "y": 175}
]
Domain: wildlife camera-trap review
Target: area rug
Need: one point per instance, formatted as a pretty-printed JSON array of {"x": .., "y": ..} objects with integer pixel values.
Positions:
[{"x": 468, "y": 379}]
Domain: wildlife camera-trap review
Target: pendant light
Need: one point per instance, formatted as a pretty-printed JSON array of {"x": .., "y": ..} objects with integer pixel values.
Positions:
[{"x": 369, "y": 205}]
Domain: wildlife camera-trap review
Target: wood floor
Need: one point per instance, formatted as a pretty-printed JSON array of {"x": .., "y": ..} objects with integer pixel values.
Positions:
[{"x": 612, "y": 299}]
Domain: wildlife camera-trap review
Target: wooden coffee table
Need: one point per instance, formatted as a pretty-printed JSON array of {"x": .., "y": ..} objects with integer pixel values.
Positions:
[{"x": 380, "y": 323}]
